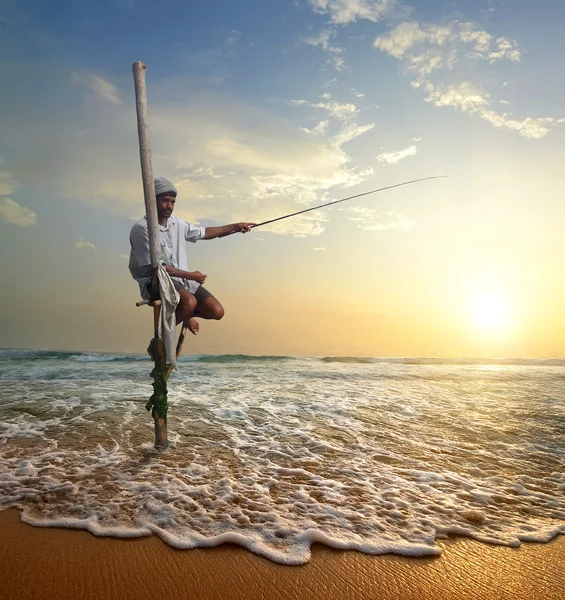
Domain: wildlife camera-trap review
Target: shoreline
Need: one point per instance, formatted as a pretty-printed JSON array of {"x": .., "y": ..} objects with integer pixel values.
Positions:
[{"x": 47, "y": 563}]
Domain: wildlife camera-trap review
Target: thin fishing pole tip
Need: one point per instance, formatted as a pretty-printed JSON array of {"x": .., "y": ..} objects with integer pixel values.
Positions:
[{"x": 388, "y": 187}]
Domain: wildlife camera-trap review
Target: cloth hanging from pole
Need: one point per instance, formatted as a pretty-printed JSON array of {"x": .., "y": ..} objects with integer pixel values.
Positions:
[{"x": 167, "y": 319}]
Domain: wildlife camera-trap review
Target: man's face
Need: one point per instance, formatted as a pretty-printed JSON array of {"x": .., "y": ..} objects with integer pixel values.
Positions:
[{"x": 165, "y": 205}]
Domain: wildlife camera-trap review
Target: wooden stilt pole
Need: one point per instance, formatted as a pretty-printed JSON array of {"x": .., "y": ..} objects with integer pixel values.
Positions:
[{"x": 158, "y": 401}]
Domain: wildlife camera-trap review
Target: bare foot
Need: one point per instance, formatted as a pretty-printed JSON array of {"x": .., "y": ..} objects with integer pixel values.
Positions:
[
  {"x": 193, "y": 325},
  {"x": 151, "y": 349}
]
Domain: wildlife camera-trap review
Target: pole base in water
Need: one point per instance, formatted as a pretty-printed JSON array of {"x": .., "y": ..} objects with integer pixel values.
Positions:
[{"x": 161, "y": 440}]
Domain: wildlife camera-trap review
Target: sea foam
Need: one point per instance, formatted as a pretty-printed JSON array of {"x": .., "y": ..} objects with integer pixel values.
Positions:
[{"x": 276, "y": 454}]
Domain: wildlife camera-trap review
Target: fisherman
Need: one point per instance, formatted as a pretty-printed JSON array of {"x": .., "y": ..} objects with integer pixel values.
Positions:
[{"x": 195, "y": 300}]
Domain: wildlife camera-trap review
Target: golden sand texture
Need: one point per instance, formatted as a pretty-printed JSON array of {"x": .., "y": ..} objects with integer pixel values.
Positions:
[{"x": 44, "y": 564}]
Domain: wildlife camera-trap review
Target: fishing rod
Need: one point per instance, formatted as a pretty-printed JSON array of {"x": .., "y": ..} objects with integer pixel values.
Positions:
[{"x": 388, "y": 187}]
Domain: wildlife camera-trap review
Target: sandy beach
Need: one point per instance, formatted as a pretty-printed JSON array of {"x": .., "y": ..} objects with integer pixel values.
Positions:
[{"x": 45, "y": 563}]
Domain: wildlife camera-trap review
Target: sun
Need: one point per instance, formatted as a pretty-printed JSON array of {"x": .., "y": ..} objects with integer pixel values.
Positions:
[{"x": 490, "y": 311}]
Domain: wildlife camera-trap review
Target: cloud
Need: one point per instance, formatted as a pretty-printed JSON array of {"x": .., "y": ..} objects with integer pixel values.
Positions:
[
  {"x": 323, "y": 40},
  {"x": 427, "y": 48},
  {"x": 393, "y": 158},
  {"x": 369, "y": 220},
  {"x": 465, "y": 96},
  {"x": 345, "y": 113},
  {"x": 436, "y": 55},
  {"x": 351, "y": 131},
  {"x": 8, "y": 184},
  {"x": 320, "y": 249},
  {"x": 342, "y": 12},
  {"x": 396, "y": 221},
  {"x": 319, "y": 129},
  {"x": 84, "y": 244},
  {"x": 12, "y": 212},
  {"x": 102, "y": 88},
  {"x": 338, "y": 63},
  {"x": 528, "y": 127},
  {"x": 231, "y": 160},
  {"x": 358, "y": 94},
  {"x": 468, "y": 98},
  {"x": 248, "y": 159},
  {"x": 339, "y": 110}
]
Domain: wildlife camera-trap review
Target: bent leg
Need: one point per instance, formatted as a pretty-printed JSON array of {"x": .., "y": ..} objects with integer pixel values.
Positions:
[
  {"x": 185, "y": 307},
  {"x": 210, "y": 308},
  {"x": 185, "y": 311},
  {"x": 207, "y": 306}
]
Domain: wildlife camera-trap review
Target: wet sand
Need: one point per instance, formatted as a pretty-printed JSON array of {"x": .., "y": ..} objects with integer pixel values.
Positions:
[{"x": 46, "y": 563}]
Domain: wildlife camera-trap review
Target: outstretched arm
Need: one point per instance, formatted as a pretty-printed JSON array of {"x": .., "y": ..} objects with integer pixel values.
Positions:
[{"x": 214, "y": 232}]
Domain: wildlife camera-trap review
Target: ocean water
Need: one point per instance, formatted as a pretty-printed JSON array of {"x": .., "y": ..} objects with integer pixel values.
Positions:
[{"x": 276, "y": 453}]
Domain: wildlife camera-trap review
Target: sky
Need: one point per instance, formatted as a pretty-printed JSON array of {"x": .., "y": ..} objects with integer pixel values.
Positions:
[{"x": 259, "y": 108}]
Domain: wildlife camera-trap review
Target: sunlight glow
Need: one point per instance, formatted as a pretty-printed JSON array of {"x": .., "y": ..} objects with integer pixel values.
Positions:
[{"x": 490, "y": 312}]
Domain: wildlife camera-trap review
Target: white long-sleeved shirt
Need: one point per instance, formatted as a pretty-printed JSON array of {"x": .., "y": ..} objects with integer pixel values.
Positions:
[{"x": 173, "y": 238}]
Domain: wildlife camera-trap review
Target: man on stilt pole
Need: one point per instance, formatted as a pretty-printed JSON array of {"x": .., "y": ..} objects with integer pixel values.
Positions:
[{"x": 158, "y": 263}]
